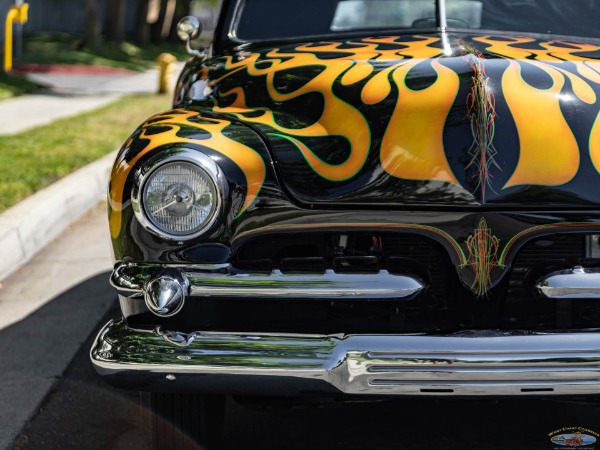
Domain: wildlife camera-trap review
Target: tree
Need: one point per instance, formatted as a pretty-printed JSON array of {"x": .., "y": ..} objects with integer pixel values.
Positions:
[
  {"x": 141, "y": 32},
  {"x": 115, "y": 20},
  {"x": 182, "y": 9},
  {"x": 91, "y": 38},
  {"x": 165, "y": 17}
]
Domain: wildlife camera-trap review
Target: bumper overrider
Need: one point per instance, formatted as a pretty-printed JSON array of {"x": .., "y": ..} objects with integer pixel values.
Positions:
[{"x": 468, "y": 363}]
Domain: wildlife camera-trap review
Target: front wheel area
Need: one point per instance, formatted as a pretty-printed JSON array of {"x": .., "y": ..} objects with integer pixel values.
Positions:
[{"x": 183, "y": 421}]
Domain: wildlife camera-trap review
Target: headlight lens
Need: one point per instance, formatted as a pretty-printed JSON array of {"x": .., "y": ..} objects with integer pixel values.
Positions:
[{"x": 180, "y": 198}]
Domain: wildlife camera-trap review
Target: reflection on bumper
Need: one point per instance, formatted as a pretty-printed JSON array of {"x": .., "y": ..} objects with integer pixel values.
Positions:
[{"x": 469, "y": 363}]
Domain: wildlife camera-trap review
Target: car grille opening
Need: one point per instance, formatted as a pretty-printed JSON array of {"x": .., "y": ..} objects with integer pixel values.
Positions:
[
  {"x": 526, "y": 308},
  {"x": 444, "y": 306}
]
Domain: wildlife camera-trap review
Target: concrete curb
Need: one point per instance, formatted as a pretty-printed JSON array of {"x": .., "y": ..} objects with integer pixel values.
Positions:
[{"x": 29, "y": 226}]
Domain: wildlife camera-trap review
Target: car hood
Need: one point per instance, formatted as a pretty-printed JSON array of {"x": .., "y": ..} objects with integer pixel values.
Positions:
[{"x": 465, "y": 120}]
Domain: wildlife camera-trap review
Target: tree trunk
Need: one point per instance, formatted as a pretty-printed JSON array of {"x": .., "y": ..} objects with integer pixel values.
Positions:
[
  {"x": 153, "y": 11},
  {"x": 160, "y": 30},
  {"x": 156, "y": 27},
  {"x": 168, "y": 19},
  {"x": 91, "y": 38},
  {"x": 115, "y": 20},
  {"x": 141, "y": 33}
]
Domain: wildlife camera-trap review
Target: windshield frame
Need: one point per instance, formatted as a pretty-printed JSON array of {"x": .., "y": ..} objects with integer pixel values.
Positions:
[
  {"x": 440, "y": 17},
  {"x": 227, "y": 41}
]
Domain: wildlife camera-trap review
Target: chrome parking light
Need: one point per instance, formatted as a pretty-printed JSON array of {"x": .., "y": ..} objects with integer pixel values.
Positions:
[{"x": 165, "y": 294}]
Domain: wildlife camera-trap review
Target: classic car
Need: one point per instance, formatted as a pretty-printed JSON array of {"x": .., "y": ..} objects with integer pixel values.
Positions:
[{"x": 354, "y": 198}]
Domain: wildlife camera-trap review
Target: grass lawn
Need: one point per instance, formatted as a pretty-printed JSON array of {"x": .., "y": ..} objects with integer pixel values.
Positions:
[{"x": 34, "y": 159}]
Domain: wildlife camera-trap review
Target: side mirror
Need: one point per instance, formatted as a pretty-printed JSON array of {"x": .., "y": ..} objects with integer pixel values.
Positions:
[{"x": 188, "y": 29}]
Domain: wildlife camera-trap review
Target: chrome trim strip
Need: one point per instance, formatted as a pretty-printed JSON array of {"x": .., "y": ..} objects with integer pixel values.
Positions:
[
  {"x": 494, "y": 363},
  {"x": 225, "y": 281},
  {"x": 576, "y": 283},
  {"x": 329, "y": 285}
]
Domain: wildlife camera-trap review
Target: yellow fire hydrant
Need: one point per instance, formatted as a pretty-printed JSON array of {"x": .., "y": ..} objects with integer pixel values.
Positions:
[
  {"x": 166, "y": 68},
  {"x": 16, "y": 14}
]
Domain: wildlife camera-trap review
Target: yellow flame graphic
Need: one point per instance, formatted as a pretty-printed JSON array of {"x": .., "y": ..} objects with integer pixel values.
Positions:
[
  {"x": 412, "y": 147},
  {"x": 338, "y": 118},
  {"x": 549, "y": 152}
]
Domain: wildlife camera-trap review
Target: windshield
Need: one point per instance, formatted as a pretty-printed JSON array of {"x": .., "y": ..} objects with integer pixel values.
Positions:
[{"x": 277, "y": 19}]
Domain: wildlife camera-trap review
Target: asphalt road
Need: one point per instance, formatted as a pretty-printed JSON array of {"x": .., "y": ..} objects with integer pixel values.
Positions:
[{"x": 82, "y": 412}]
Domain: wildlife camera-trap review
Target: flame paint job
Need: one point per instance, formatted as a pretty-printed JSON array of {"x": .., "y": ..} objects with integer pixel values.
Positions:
[
  {"x": 413, "y": 150},
  {"x": 528, "y": 119},
  {"x": 420, "y": 136},
  {"x": 542, "y": 127}
]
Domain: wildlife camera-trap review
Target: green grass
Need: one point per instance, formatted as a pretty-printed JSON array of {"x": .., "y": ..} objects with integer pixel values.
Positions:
[
  {"x": 34, "y": 159},
  {"x": 11, "y": 85},
  {"x": 66, "y": 49}
]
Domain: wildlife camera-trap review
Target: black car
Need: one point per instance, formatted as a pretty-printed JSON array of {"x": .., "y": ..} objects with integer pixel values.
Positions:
[{"x": 364, "y": 198}]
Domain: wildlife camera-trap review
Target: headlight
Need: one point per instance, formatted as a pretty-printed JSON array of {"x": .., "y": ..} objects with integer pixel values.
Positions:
[{"x": 180, "y": 197}]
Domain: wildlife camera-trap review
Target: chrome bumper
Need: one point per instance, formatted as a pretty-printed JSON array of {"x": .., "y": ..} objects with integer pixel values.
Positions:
[{"x": 467, "y": 364}]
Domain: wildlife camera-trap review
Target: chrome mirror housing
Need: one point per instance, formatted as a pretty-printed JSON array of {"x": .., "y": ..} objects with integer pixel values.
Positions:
[{"x": 188, "y": 29}]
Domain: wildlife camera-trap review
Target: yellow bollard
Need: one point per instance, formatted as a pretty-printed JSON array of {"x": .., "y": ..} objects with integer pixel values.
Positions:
[
  {"x": 166, "y": 67},
  {"x": 23, "y": 13},
  {"x": 13, "y": 13},
  {"x": 18, "y": 14}
]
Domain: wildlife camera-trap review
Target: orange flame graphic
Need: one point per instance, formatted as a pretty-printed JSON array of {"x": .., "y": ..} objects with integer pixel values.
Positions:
[{"x": 340, "y": 118}]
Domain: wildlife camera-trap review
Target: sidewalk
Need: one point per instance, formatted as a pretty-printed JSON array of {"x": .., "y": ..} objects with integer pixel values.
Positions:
[
  {"x": 72, "y": 90},
  {"x": 28, "y": 227},
  {"x": 54, "y": 241}
]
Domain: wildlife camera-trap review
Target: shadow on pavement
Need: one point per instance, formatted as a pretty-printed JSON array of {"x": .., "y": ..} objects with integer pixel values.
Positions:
[{"x": 35, "y": 352}]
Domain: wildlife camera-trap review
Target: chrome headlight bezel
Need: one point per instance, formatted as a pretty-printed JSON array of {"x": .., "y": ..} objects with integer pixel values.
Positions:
[{"x": 205, "y": 164}]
